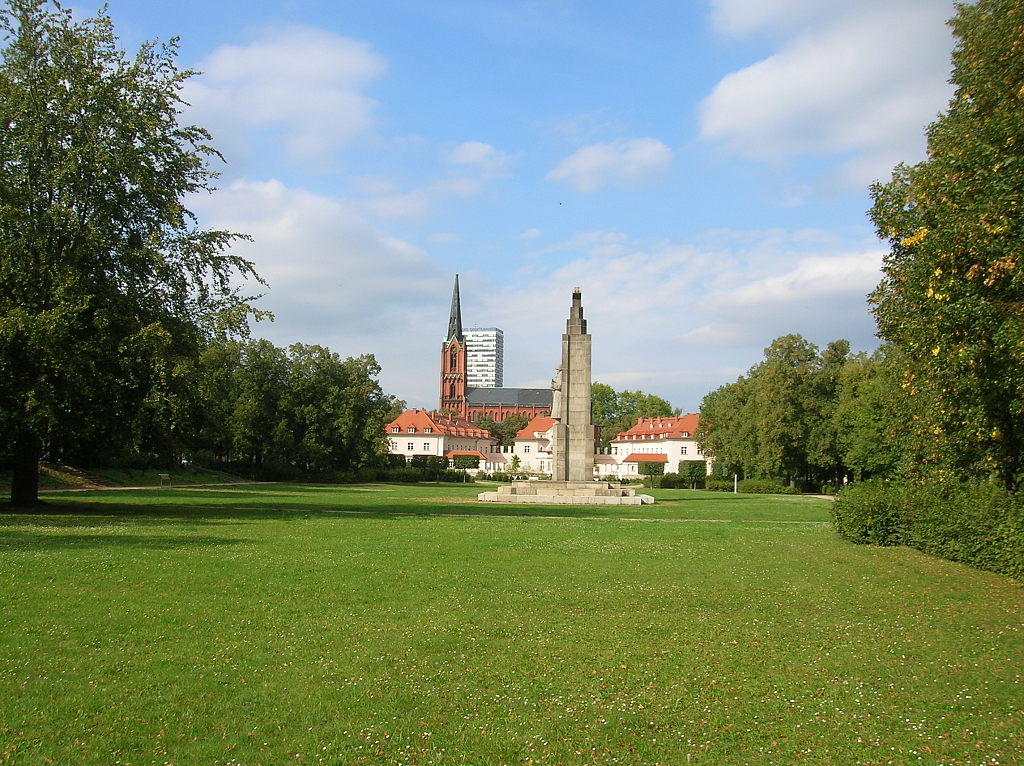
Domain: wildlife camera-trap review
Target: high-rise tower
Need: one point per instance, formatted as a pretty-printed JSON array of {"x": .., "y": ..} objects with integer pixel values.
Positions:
[{"x": 485, "y": 352}]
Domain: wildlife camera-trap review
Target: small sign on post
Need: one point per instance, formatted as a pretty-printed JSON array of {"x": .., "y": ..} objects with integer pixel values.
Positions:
[{"x": 164, "y": 477}]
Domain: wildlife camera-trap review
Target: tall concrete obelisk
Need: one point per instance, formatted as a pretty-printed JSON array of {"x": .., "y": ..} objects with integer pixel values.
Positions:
[{"x": 573, "y": 443}]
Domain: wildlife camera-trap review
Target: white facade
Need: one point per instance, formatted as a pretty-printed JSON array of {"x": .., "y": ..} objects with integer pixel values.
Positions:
[
  {"x": 418, "y": 432},
  {"x": 673, "y": 437},
  {"x": 485, "y": 357}
]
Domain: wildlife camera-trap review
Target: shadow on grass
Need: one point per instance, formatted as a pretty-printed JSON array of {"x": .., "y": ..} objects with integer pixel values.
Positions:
[
  {"x": 84, "y": 514},
  {"x": 21, "y": 541}
]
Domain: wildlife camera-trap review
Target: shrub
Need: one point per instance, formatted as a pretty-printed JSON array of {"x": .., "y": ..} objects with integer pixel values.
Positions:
[
  {"x": 718, "y": 485},
  {"x": 453, "y": 476},
  {"x": 765, "y": 487},
  {"x": 465, "y": 461},
  {"x": 870, "y": 512},
  {"x": 979, "y": 525},
  {"x": 672, "y": 481}
]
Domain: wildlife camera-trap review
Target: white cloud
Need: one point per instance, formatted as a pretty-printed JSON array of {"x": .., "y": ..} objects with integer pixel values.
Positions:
[
  {"x": 530, "y": 234},
  {"x": 305, "y": 83},
  {"x": 673, "y": 319},
  {"x": 490, "y": 162},
  {"x": 861, "y": 78},
  {"x": 626, "y": 163},
  {"x": 741, "y": 17},
  {"x": 334, "y": 279}
]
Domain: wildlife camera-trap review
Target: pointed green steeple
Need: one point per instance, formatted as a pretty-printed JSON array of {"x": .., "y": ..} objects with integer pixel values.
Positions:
[{"x": 455, "y": 317}]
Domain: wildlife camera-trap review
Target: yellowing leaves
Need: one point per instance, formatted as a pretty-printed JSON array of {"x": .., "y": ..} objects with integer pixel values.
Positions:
[{"x": 916, "y": 238}]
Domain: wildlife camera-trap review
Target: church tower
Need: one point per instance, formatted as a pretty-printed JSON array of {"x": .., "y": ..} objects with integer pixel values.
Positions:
[{"x": 453, "y": 361}]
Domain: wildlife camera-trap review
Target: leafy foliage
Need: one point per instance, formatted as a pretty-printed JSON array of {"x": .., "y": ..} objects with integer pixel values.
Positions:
[
  {"x": 505, "y": 431},
  {"x": 617, "y": 411},
  {"x": 778, "y": 420},
  {"x": 952, "y": 298},
  {"x": 106, "y": 283},
  {"x": 976, "y": 524}
]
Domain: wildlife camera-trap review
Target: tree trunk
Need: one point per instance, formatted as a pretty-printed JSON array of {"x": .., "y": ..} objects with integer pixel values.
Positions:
[{"x": 25, "y": 471}]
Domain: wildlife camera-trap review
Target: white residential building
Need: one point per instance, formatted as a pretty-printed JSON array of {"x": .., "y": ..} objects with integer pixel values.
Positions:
[
  {"x": 485, "y": 357},
  {"x": 418, "y": 432},
  {"x": 671, "y": 441}
]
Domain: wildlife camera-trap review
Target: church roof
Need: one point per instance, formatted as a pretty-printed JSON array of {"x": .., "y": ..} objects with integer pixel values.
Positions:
[
  {"x": 455, "y": 316},
  {"x": 509, "y": 397}
]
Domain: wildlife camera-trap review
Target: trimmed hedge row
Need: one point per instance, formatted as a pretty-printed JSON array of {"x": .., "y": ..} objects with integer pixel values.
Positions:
[
  {"x": 401, "y": 475},
  {"x": 979, "y": 525},
  {"x": 752, "y": 486},
  {"x": 678, "y": 481}
]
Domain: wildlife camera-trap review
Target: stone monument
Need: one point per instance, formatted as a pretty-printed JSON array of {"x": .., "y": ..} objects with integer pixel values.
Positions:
[{"x": 572, "y": 443}]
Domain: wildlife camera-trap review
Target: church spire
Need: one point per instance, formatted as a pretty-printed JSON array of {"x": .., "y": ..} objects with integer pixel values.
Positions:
[{"x": 455, "y": 317}]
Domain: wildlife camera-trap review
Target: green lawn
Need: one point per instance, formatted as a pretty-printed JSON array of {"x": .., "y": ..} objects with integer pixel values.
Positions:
[{"x": 274, "y": 624}]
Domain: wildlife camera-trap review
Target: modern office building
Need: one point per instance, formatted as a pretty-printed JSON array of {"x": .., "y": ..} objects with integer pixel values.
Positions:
[{"x": 485, "y": 352}]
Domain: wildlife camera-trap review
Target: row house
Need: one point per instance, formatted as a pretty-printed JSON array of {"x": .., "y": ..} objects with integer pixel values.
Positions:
[
  {"x": 671, "y": 441},
  {"x": 418, "y": 432}
]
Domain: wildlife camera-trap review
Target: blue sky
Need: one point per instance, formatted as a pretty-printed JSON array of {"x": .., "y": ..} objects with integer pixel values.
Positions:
[{"x": 700, "y": 168}]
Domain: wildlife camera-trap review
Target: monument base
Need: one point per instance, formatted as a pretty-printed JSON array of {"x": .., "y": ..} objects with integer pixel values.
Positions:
[{"x": 565, "y": 493}]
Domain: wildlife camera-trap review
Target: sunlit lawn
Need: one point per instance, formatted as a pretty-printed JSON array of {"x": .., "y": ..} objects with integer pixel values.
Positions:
[{"x": 273, "y": 624}]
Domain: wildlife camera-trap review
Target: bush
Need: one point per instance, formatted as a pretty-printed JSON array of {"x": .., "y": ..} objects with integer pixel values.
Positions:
[
  {"x": 673, "y": 481},
  {"x": 465, "y": 461},
  {"x": 870, "y": 512},
  {"x": 453, "y": 476},
  {"x": 765, "y": 487},
  {"x": 718, "y": 485},
  {"x": 979, "y": 525}
]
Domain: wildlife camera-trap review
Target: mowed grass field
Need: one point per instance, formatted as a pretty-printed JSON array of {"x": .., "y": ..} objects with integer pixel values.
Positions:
[{"x": 380, "y": 624}]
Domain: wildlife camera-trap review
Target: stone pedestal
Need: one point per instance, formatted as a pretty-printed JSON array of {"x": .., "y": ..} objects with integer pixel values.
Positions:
[{"x": 565, "y": 493}]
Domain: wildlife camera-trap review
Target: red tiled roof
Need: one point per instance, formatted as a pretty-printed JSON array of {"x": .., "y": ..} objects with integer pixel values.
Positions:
[
  {"x": 662, "y": 428},
  {"x": 538, "y": 425},
  {"x": 646, "y": 457},
  {"x": 473, "y": 452},
  {"x": 443, "y": 425}
]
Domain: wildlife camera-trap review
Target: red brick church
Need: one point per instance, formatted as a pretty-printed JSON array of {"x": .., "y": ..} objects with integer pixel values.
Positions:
[{"x": 469, "y": 401}]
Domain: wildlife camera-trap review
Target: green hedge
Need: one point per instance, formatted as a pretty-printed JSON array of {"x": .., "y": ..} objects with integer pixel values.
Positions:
[
  {"x": 718, "y": 485},
  {"x": 751, "y": 486},
  {"x": 979, "y": 525},
  {"x": 766, "y": 487}
]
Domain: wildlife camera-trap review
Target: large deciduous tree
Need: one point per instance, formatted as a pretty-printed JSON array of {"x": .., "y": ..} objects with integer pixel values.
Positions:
[
  {"x": 105, "y": 278},
  {"x": 952, "y": 296},
  {"x": 617, "y": 411}
]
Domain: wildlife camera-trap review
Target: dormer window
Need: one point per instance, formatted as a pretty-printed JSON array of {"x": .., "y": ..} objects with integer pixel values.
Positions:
[
  {"x": 411, "y": 429},
  {"x": 686, "y": 434},
  {"x": 428, "y": 430},
  {"x": 396, "y": 430}
]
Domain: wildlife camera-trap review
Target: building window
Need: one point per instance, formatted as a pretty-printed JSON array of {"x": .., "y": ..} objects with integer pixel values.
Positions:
[
  {"x": 426, "y": 447},
  {"x": 394, "y": 444},
  {"x": 411, "y": 429},
  {"x": 428, "y": 430},
  {"x": 682, "y": 450},
  {"x": 411, "y": 447},
  {"x": 700, "y": 451},
  {"x": 526, "y": 448},
  {"x": 396, "y": 430},
  {"x": 686, "y": 434}
]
